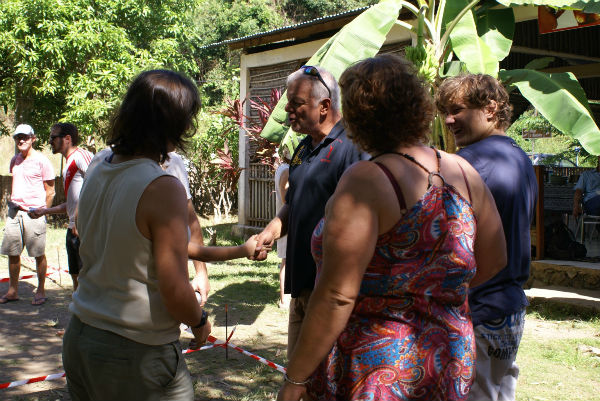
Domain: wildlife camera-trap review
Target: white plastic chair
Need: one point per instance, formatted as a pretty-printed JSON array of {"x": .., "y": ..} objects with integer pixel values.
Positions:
[{"x": 586, "y": 220}]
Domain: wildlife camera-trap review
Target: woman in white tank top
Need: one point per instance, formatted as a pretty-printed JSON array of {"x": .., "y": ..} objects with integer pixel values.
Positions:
[{"x": 134, "y": 289}]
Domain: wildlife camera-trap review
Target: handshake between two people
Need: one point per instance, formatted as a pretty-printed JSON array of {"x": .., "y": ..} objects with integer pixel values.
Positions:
[
  {"x": 263, "y": 243},
  {"x": 258, "y": 246},
  {"x": 255, "y": 248}
]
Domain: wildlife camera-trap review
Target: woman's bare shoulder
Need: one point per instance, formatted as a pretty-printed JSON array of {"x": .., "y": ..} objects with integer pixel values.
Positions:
[
  {"x": 457, "y": 162},
  {"x": 359, "y": 174}
]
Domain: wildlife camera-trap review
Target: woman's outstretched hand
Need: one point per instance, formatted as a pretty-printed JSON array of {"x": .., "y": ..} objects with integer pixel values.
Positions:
[{"x": 292, "y": 392}]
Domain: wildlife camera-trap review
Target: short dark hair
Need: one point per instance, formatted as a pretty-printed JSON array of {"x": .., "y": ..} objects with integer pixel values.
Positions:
[
  {"x": 476, "y": 91},
  {"x": 159, "y": 108},
  {"x": 385, "y": 104},
  {"x": 67, "y": 129}
]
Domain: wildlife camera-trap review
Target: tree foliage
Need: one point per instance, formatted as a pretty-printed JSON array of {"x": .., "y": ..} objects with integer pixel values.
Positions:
[
  {"x": 305, "y": 10},
  {"x": 212, "y": 193},
  {"x": 560, "y": 145},
  {"x": 219, "y": 20},
  {"x": 72, "y": 59},
  {"x": 457, "y": 36}
]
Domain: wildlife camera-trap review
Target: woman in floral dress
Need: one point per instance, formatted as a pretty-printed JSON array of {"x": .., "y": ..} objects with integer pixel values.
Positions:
[{"x": 403, "y": 238}]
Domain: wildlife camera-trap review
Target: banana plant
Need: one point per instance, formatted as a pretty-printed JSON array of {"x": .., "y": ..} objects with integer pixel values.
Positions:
[
  {"x": 362, "y": 38},
  {"x": 454, "y": 36}
]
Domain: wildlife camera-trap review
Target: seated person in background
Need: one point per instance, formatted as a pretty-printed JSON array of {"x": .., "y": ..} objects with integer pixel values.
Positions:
[{"x": 588, "y": 190}]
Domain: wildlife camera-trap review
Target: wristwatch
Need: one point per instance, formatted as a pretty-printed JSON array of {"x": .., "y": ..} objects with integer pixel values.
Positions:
[{"x": 202, "y": 320}]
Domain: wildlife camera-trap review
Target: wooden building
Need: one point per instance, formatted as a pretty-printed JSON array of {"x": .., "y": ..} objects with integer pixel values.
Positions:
[{"x": 269, "y": 57}]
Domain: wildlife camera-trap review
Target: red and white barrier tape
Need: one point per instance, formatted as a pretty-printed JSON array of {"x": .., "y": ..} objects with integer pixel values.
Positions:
[
  {"x": 5, "y": 279},
  {"x": 32, "y": 260},
  {"x": 253, "y": 356},
  {"x": 215, "y": 343},
  {"x": 56, "y": 269},
  {"x": 55, "y": 376}
]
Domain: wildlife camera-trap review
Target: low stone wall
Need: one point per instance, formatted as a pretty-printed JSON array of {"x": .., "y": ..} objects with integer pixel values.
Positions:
[{"x": 545, "y": 273}]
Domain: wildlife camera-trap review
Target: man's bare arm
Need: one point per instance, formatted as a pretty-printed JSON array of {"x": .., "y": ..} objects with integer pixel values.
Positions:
[
  {"x": 200, "y": 281},
  {"x": 49, "y": 188}
]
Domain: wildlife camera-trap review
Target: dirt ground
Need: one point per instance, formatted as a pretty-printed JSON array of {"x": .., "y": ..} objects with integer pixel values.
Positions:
[{"x": 31, "y": 345}]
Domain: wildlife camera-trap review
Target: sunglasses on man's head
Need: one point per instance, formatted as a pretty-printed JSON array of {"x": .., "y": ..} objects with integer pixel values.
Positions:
[{"x": 312, "y": 71}]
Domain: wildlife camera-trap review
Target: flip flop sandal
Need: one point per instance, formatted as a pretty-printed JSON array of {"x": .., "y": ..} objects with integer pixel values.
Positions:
[
  {"x": 39, "y": 301},
  {"x": 4, "y": 300}
]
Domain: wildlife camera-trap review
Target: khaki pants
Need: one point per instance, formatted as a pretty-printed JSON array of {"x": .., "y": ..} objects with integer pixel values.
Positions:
[
  {"x": 297, "y": 312},
  {"x": 102, "y": 365},
  {"x": 21, "y": 231}
]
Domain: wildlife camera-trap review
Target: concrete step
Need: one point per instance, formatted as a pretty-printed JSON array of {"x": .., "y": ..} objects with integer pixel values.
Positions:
[{"x": 581, "y": 299}]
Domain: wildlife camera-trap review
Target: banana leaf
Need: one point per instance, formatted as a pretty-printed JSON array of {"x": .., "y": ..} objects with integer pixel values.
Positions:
[
  {"x": 587, "y": 6},
  {"x": 360, "y": 39},
  {"x": 560, "y": 98},
  {"x": 452, "y": 68},
  {"x": 471, "y": 49},
  {"x": 539, "y": 63},
  {"x": 496, "y": 28},
  {"x": 451, "y": 10}
]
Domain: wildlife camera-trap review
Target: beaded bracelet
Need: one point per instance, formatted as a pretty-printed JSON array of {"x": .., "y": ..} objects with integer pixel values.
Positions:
[{"x": 287, "y": 379}]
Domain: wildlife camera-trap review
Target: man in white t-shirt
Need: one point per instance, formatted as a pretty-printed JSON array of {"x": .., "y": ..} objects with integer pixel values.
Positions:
[
  {"x": 32, "y": 187},
  {"x": 176, "y": 167},
  {"x": 64, "y": 139}
]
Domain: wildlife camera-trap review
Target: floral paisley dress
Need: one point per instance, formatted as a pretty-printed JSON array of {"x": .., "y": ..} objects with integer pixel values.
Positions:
[{"x": 410, "y": 335}]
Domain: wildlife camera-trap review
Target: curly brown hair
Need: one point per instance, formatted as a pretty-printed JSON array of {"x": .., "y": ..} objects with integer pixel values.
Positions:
[
  {"x": 385, "y": 104},
  {"x": 476, "y": 91}
]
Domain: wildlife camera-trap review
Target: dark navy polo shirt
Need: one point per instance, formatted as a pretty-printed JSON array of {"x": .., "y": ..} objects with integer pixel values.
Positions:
[
  {"x": 509, "y": 175},
  {"x": 314, "y": 174}
]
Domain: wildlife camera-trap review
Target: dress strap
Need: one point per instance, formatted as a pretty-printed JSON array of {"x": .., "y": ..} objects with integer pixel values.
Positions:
[
  {"x": 438, "y": 156},
  {"x": 466, "y": 182},
  {"x": 397, "y": 189},
  {"x": 431, "y": 174}
]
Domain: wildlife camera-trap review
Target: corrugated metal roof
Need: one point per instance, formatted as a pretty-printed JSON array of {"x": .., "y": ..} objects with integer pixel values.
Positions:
[{"x": 289, "y": 27}]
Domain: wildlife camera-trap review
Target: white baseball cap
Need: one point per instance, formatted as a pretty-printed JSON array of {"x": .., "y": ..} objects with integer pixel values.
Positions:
[{"x": 24, "y": 129}]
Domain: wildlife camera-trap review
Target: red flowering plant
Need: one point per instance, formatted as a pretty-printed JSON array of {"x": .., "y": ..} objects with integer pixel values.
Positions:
[
  {"x": 214, "y": 169},
  {"x": 265, "y": 151}
]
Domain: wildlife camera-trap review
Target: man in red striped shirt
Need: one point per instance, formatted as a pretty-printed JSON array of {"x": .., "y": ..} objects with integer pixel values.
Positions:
[{"x": 64, "y": 138}]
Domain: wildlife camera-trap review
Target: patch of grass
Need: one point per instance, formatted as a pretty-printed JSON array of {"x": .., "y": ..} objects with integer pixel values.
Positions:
[
  {"x": 544, "y": 310},
  {"x": 51, "y": 323},
  {"x": 556, "y": 368}
]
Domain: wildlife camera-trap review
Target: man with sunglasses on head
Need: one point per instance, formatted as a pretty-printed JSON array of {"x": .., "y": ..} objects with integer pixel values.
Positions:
[
  {"x": 64, "y": 139},
  {"x": 317, "y": 164},
  {"x": 32, "y": 187}
]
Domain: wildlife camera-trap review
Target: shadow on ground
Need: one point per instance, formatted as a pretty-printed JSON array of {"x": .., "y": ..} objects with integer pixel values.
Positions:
[
  {"x": 31, "y": 347},
  {"x": 558, "y": 309}
]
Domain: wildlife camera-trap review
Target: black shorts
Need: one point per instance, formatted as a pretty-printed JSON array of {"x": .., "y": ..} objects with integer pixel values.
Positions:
[{"x": 73, "y": 252}]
